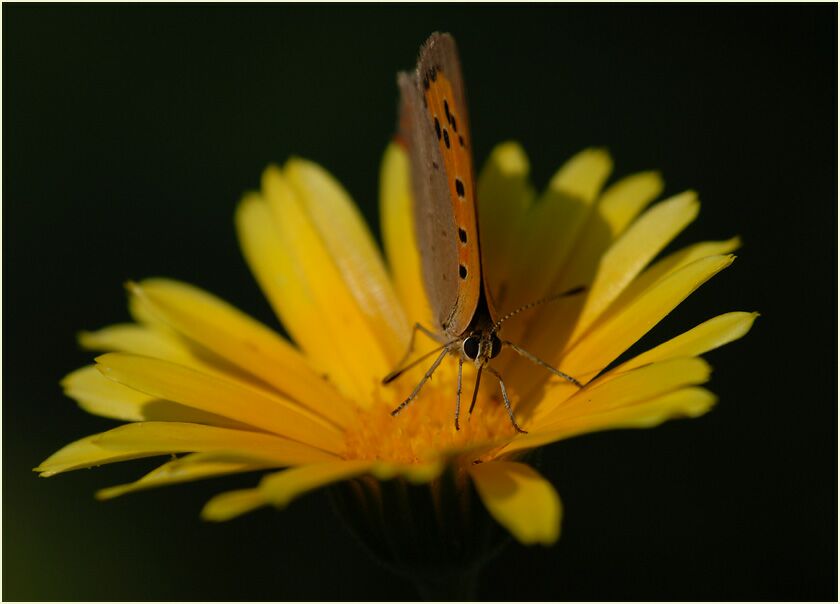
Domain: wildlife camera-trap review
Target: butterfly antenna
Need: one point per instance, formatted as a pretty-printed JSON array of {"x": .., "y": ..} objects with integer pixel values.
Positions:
[{"x": 513, "y": 313}]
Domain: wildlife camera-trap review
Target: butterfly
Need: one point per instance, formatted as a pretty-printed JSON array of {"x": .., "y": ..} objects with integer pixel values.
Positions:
[{"x": 435, "y": 127}]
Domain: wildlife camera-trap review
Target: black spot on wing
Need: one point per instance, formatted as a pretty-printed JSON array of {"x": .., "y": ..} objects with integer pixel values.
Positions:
[{"x": 459, "y": 187}]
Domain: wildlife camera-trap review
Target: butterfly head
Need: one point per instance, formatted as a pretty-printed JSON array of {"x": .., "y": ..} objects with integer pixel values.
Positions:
[{"x": 480, "y": 346}]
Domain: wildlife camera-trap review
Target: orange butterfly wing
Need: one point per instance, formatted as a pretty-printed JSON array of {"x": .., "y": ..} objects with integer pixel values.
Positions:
[{"x": 434, "y": 124}]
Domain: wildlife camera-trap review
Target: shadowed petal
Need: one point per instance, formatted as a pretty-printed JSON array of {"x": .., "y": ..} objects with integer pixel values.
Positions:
[
  {"x": 551, "y": 227},
  {"x": 625, "y": 259},
  {"x": 505, "y": 194},
  {"x": 242, "y": 341},
  {"x": 213, "y": 394},
  {"x": 615, "y": 210},
  {"x": 98, "y": 395},
  {"x": 544, "y": 329}
]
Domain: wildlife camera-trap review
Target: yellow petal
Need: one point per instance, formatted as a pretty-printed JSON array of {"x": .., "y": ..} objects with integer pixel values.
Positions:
[
  {"x": 86, "y": 453},
  {"x": 98, "y": 395},
  {"x": 154, "y": 338},
  {"x": 688, "y": 402},
  {"x": 232, "y": 504},
  {"x": 712, "y": 334},
  {"x": 345, "y": 234},
  {"x": 195, "y": 466},
  {"x": 417, "y": 473},
  {"x": 281, "y": 280},
  {"x": 280, "y": 488},
  {"x": 420, "y": 472},
  {"x": 546, "y": 329},
  {"x": 242, "y": 341},
  {"x": 672, "y": 263},
  {"x": 137, "y": 339},
  {"x": 505, "y": 194},
  {"x": 227, "y": 398},
  {"x": 622, "y": 201},
  {"x": 616, "y": 390},
  {"x": 520, "y": 500},
  {"x": 550, "y": 229},
  {"x": 149, "y": 439},
  {"x": 610, "y": 337},
  {"x": 361, "y": 349},
  {"x": 395, "y": 203},
  {"x": 584, "y": 174},
  {"x": 616, "y": 208},
  {"x": 634, "y": 250},
  {"x": 143, "y": 315}
]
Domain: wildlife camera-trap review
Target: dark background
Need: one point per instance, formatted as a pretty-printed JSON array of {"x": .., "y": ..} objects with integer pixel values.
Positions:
[{"x": 131, "y": 131}]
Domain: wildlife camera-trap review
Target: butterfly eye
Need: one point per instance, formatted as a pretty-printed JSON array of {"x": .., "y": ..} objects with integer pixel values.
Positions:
[
  {"x": 470, "y": 345},
  {"x": 495, "y": 346}
]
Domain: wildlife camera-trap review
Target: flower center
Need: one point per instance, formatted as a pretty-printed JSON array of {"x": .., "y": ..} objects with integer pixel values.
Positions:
[{"x": 426, "y": 427}]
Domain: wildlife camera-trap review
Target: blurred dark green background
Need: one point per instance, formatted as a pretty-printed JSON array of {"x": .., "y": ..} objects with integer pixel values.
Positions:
[{"x": 131, "y": 131}]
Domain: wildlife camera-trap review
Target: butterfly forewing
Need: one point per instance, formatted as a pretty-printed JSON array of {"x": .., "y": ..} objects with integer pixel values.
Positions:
[{"x": 434, "y": 123}]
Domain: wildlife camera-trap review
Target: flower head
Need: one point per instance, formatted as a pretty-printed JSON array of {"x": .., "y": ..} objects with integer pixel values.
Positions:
[{"x": 195, "y": 377}]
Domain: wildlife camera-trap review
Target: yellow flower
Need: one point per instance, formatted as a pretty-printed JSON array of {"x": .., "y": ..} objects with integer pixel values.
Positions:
[{"x": 194, "y": 376}]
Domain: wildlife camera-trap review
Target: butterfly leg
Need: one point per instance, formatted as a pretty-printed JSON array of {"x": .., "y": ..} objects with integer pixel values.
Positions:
[
  {"x": 401, "y": 365},
  {"x": 508, "y": 408},
  {"x": 542, "y": 363},
  {"x": 475, "y": 392},
  {"x": 426, "y": 377},
  {"x": 458, "y": 392}
]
